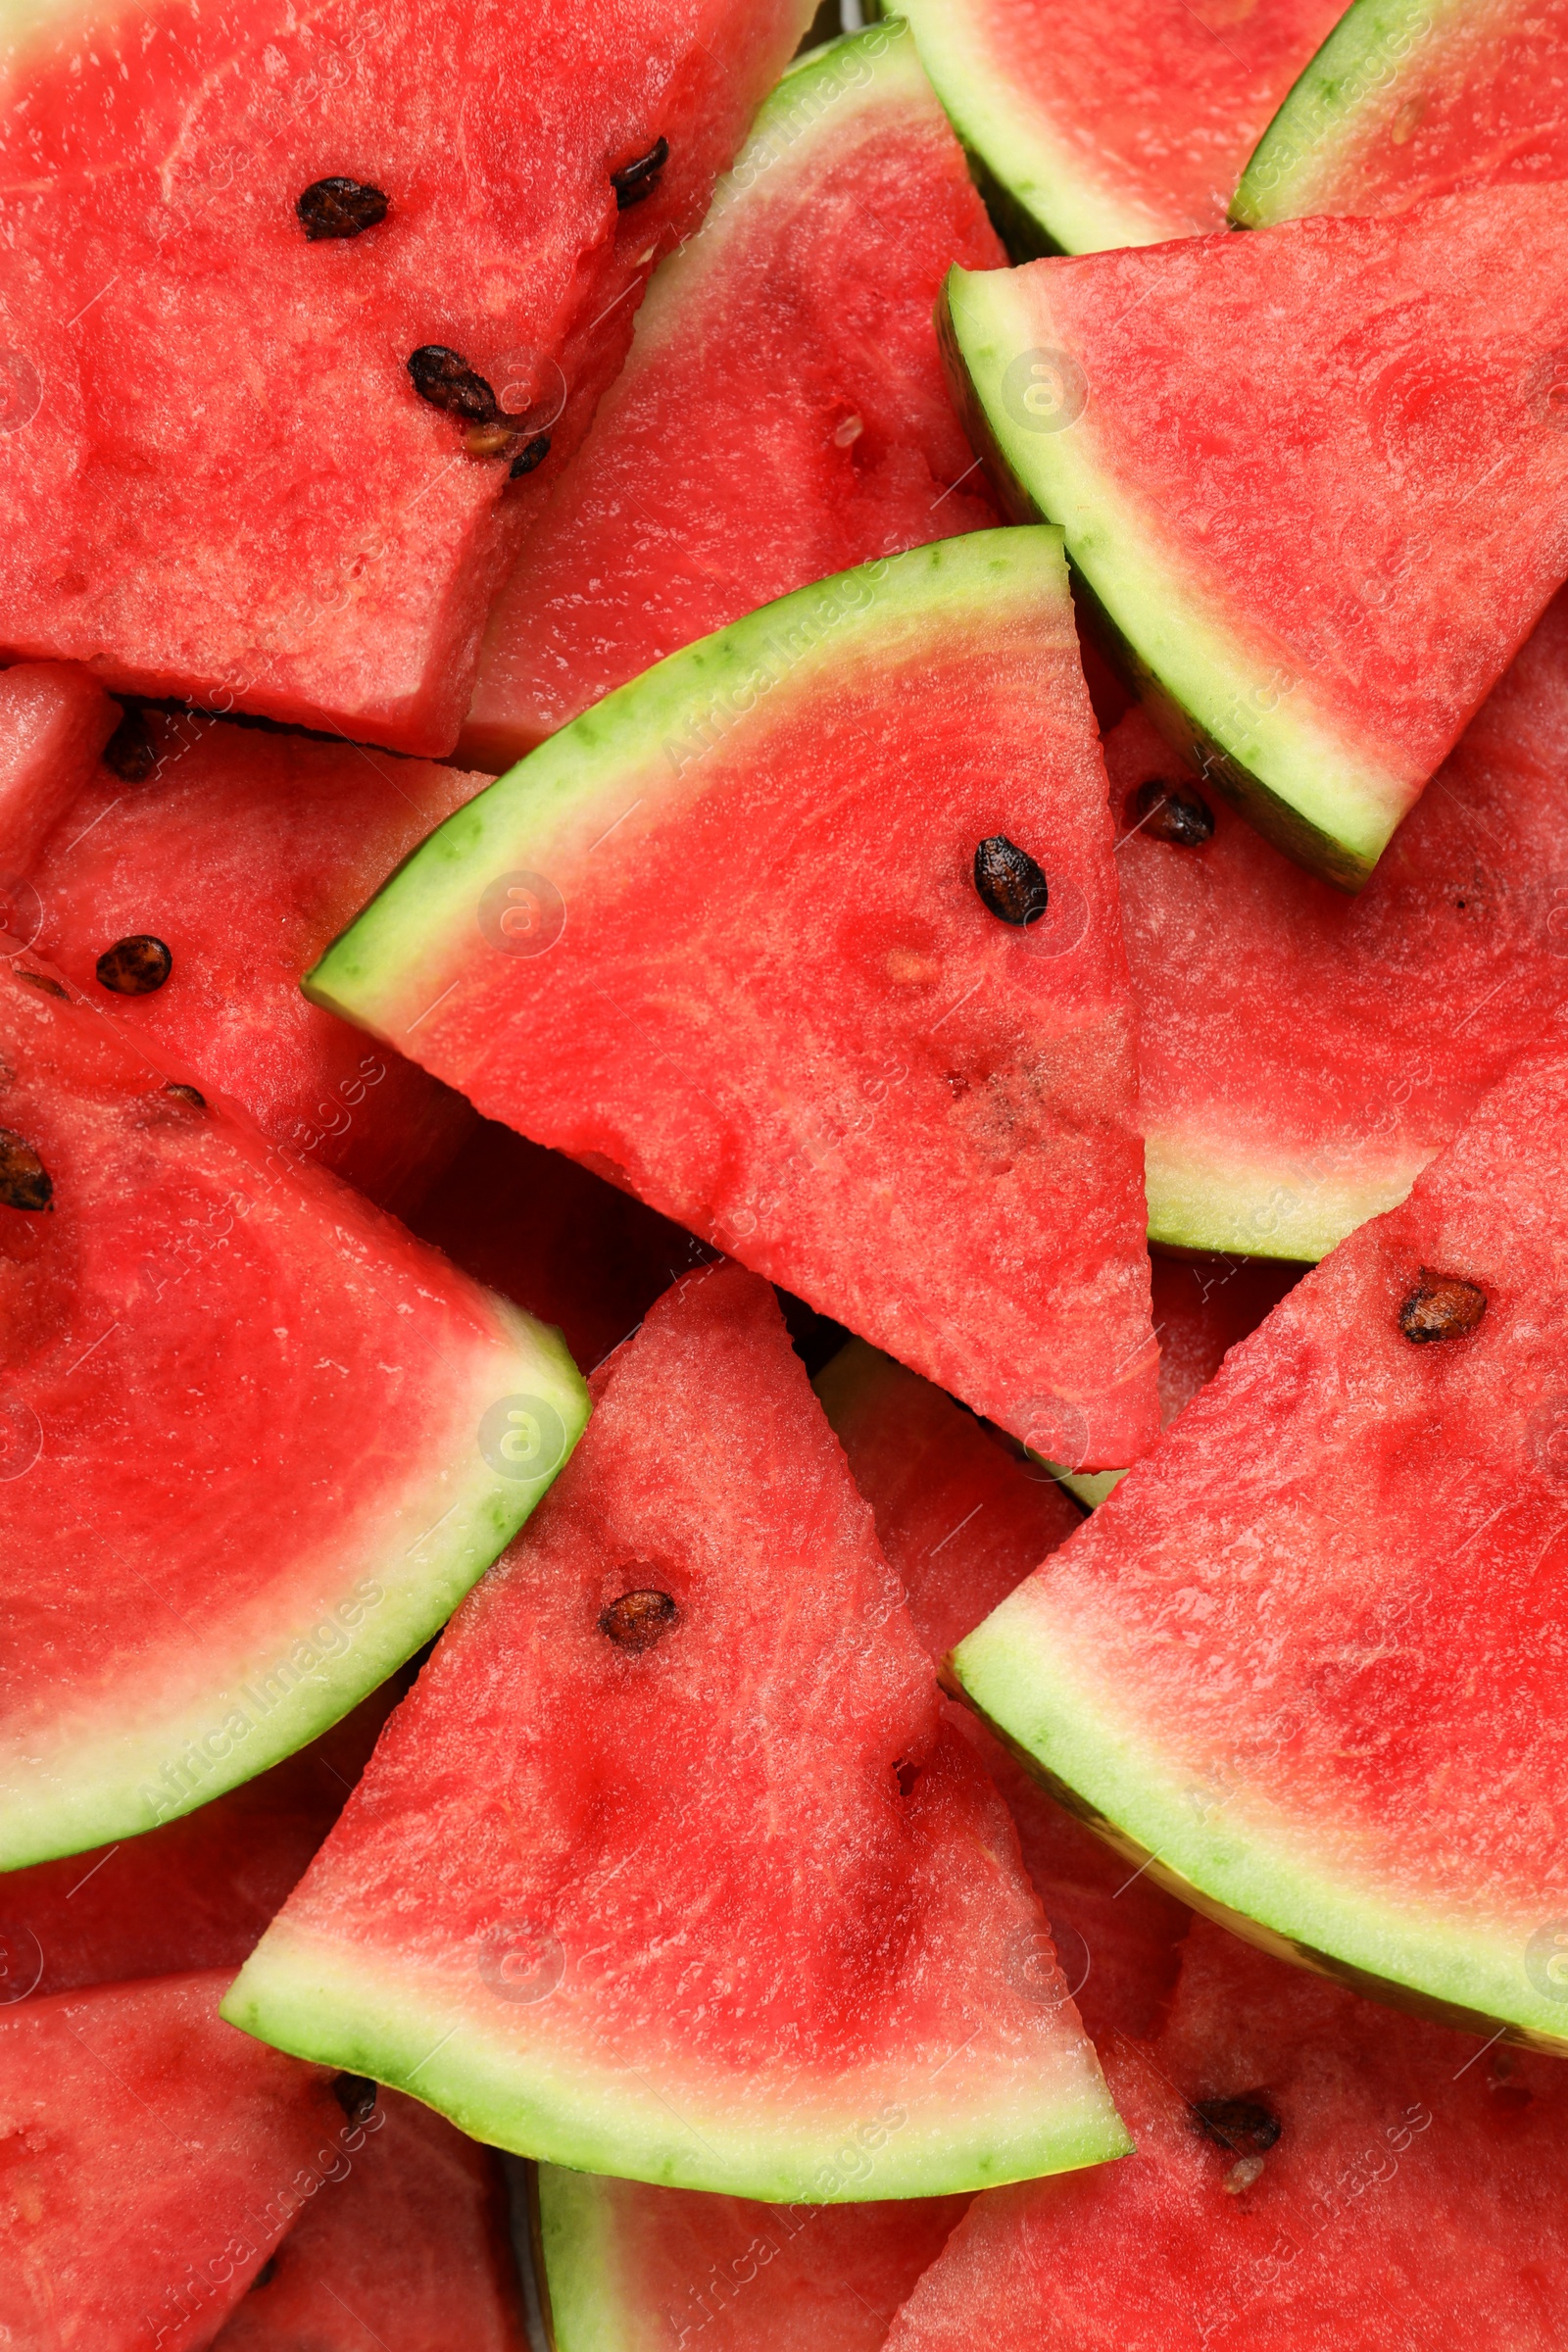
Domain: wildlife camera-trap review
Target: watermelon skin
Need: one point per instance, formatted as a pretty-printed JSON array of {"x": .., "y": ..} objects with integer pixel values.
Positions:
[
  {"x": 1094, "y": 130},
  {"x": 1413, "y": 2198},
  {"x": 151, "y": 2160},
  {"x": 739, "y": 1964},
  {"x": 875, "y": 1071},
  {"x": 799, "y": 312},
  {"x": 632, "y": 2269},
  {"x": 206, "y": 1344},
  {"x": 410, "y": 2249},
  {"x": 1318, "y": 670},
  {"x": 54, "y": 722},
  {"x": 354, "y": 596},
  {"x": 1422, "y": 990},
  {"x": 1406, "y": 101},
  {"x": 244, "y": 852},
  {"x": 1308, "y": 1656}
]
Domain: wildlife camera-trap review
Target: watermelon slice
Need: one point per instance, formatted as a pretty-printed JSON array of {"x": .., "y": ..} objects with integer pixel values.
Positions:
[
  {"x": 627, "y": 2268},
  {"x": 1343, "y": 1043},
  {"x": 1317, "y": 555},
  {"x": 54, "y": 721},
  {"x": 1307, "y": 1657},
  {"x": 203, "y": 868},
  {"x": 667, "y": 1866},
  {"x": 1312, "y": 2174},
  {"x": 962, "y": 1518},
  {"x": 269, "y": 447},
  {"x": 909, "y": 1104},
  {"x": 409, "y": 2250},
  {"x": 797, "y": 326},
  {"x": 150, "y": 2159},
  {"x": 256, "y": 1442},
  {"x": 1406, "y": 100},
  {"x": 1090, "y": 129}
]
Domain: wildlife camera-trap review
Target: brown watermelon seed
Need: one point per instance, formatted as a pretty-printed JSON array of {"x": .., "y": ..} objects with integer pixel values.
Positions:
[
  {"x": 1442, "y": 1307},
  {"x": 637, "y": 1620},
  {"x": 24, "y": 1181},
  {"x": 268, "y": 2271},
  {"x": 339, "y": 207},
  {"x": 130, "y": 752},
  {"x": 445, "y": 380},
  {"x": 534, "y": 452},
  {"x": 1010, "y": 882},
  {"x": 185, "y": 1093},
  {"x": 134, "y": 966},
  {"x": 356, "y": 2094},
  {"x": 1243, "y": 2126},
  {"x": 43, "y": 984},
  {"x": 633, "y": 181},
  {"x": 1172, "y": 812},
  {"x": 498, "y": 439}
]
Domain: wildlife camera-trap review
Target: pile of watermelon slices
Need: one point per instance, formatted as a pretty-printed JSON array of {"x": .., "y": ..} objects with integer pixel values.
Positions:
[{"x": 783, "y": 1131}]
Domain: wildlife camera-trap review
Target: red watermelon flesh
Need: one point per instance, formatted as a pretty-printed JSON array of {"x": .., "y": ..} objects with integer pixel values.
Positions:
[
  {"x": 150, "y": 2159},
  {"x": 196, "y": 1892},
  {"x": 1302, "y": 1057},
  {"x": 1410, "y": 2198},
  {"x": 257, "y": 1440},
  {"x": 243, "y": 851},
  {"x": 1202, "y": 1307},
  {"x": 408, "y": 2249},
  {"x": 628, "y": 2268},
  {"x": 963, "y": 1518},
  {"x": 558, "y": 1240},
  {"x": 1307, "y": 1657},
  {"x": 721, "y": 938},
  {"x": 782, "y": 414},
  {"x": 667, "y": 1865},
  {"x": 295, "y": 530},
  {"x": 1120, "y": 126},
  {"x": 54, "y": 721}
]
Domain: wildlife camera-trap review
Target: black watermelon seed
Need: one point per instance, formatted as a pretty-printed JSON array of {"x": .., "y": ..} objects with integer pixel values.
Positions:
[
  {"x": 637, "y": 1620},
  {"x": 185, "y": 1093},
  {"x": 339, "y": 207},
  {"x": 135, "y": 966},
  {"x": 534, "y": 452},
  {"x": 24, "y": 1181},
  {"x": 1172, "y": 812},
  {"x": 1441, "y": 1308},
  {"x": 1010, "y": 881},
  {"x": 268, "y": 2271},
  {"x": 633, "y": 181},
  {"x": 356, "y": 2095},
  {"x": 446, "y": 381},
  {"x": 130, "y": 752},
  {"x": 1243, "y": 2126}
]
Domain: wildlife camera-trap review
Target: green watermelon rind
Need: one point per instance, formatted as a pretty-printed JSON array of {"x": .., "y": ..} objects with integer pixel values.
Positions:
[
  {"x": 1378, "y": 53},
  {"x": 1020, "y": 1672},
  {"x": 334, "y": 2007},
  {"x": 94, "y": 1791},
  {"x": 575, "y": 2248},
  {"x": 1317, "y": 796},
  {"x": 1204, "y": 1195}
]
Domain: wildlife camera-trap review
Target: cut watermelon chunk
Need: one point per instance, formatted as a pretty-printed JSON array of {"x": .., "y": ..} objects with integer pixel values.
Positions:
[
  {"x": 150, "y": 2159},
  {"x": 409, "y": 2250},
  {"x": 797, "y": 328},
  {"x": 667, "y": 1866},
  {"x": 1318, "y": 552},
  {"x": 627, "y": 2268},
  {"x": 241, "y": 852},
  {"x": 1301, "y": 1057},
  {"x": 914, "y": 1116},
  {"x": 1307, "y": 1658},
  {"x": 256, "y": 1442},
  {"x": 54, "y": 721},
  {"x": 1118, "y": 127},
  {"x": 1312, "y": 2174},
  {"x": 1406, "y": 100},
  {"x": 224, "y": 485},
  {"x": 962, "y": 1520}
]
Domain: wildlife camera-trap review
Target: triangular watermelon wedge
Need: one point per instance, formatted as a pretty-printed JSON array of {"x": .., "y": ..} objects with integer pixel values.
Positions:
[
  {"x": 667, "y": 1866},
  {"x": 254, "y": 1442},
  {"x": 1317, "y": 551},
  {"x": 723, "y": 939},
  {"x": 150, "y": 2159},
  {"x": 1307, "y": 1659}
]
